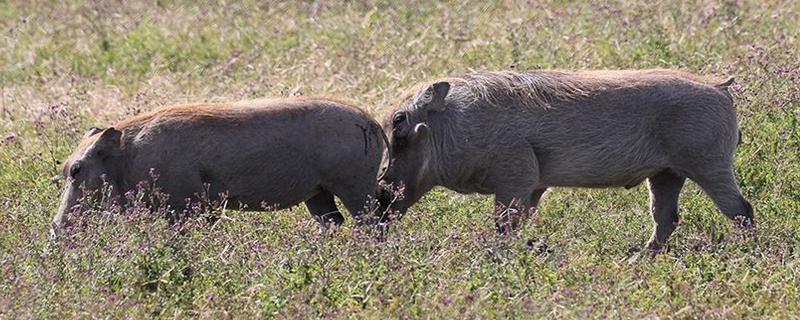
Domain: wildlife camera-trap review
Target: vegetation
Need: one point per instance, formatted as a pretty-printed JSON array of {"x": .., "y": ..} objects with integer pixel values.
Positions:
[{"x": 67, "y": 66}]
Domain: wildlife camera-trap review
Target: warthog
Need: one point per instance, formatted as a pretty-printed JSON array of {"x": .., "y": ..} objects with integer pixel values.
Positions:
[
  {"x": 516, "y": 134},
  {"x": 263, "y": 153}
]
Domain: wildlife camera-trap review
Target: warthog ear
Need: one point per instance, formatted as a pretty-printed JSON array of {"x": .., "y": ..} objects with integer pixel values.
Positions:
[
  {"x": 434, "y": 96},
  {"x": 92, "y": 131},
  {"x": 108, "y": 143}
]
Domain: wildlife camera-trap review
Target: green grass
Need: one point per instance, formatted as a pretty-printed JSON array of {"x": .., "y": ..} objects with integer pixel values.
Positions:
[{"x": 66, "y": 67}]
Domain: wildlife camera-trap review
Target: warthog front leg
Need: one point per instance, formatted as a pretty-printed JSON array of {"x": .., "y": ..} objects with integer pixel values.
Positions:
[
  {"x": 510, "y": 212},
  {"x": 515, "y": 180},
  {"x": 665, "y": 188}
]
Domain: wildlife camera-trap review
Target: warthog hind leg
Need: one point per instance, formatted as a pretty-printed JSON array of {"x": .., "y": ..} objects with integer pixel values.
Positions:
[
  {"x": 323, "y": 207},
  {"x": 359, "y": 199},
  {"x": 723, "y": 190},
  {"x": 536, "y": 196}
]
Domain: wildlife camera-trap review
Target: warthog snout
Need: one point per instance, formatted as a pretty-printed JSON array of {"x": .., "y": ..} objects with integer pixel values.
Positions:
[
  {"x": 86, "y": 170},
  {"x": 68, "y": 202}
]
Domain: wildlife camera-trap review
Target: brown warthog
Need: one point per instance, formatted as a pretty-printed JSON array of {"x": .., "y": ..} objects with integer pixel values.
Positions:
[
  {"x": 263, "y": 153},
  {"x": 516, "y": 134}
]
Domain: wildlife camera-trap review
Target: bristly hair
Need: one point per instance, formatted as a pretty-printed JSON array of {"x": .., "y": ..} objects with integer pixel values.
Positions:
[
  {"x": 531, "y": 89},
  {"x": 541, "y": 88},
  {"x": 229, "y": 111}
]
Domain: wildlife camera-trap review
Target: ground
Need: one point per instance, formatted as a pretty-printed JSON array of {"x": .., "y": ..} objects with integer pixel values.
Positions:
[{"x": 65, "y": 67}]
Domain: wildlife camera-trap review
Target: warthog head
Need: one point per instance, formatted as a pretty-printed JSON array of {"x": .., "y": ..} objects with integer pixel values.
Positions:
[
  {"x": 413, "y": 169},
  {"x": 92, "y": 164}
]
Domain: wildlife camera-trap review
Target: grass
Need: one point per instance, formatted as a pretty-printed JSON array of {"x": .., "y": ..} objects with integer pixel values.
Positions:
[{"x": 66, "y": 67}]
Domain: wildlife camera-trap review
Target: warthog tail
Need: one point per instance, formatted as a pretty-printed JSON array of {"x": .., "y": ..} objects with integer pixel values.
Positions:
[
  {"x": 727, "y": 83},
  {"x": 724, "y": 86},
  {"x": 739, "y": 142}
]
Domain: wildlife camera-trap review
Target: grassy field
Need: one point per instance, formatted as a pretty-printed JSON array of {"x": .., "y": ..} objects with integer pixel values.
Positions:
[{"x": 66, "y": 67}]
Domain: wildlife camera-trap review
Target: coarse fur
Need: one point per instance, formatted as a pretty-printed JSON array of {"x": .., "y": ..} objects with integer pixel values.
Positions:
[
  {"x": 516, "y": 134},
  {"x": 271, "y": 153}
]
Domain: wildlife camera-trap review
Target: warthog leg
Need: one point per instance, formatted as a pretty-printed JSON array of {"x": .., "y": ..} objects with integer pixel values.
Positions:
[
  {"x": 536, "y": 196},
  {"x": 323, "y": 207},
  {"x": 721, "y": 187},
  {"x": 515, "y": 181},
  {"x": 358, "y": 198},
  {"x": 510, "y": 213},
  {"x": 665, "y": 188}
]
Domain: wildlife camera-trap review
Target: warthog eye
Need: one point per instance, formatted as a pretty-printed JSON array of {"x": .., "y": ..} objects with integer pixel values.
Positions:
[
  {"x": 73, "y": 171},
  {"x": 398, "y": 118}
]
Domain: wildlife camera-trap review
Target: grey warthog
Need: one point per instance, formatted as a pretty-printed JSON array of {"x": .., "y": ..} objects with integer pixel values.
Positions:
[
  {"x": 274, "y": 153},
  {"x": 516, "y": 134}
]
